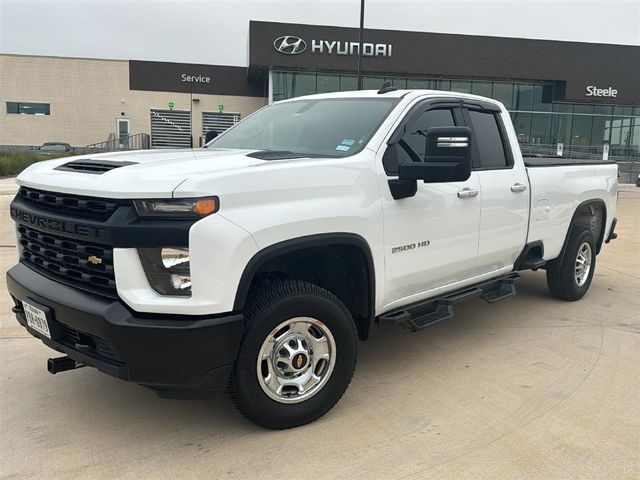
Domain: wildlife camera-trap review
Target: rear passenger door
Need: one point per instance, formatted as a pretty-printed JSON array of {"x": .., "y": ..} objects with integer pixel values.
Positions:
[{"x": 505, "y": 189}]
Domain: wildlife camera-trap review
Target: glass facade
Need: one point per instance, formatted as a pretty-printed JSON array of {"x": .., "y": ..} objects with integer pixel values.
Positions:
[{"x": 540, "y": 124}]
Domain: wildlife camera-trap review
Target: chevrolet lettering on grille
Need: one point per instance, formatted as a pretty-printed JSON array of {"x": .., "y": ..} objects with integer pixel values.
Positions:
[{"x": 53, "y": 225}]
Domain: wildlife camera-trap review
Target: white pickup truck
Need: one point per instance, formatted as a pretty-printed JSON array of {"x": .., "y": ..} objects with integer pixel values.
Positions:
[{"x": 254, "y": 264}]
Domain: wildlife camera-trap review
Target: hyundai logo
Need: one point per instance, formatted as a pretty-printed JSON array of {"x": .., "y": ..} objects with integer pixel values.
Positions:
[{"x": 289, "y": 45}]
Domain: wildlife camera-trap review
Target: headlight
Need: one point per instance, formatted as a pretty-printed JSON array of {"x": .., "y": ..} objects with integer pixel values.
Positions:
[
  {"x": 167, "y": 270},
  {"x": 177, "y": 207}
]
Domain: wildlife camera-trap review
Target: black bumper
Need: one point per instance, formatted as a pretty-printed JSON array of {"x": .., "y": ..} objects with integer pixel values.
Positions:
[{"x": 174, "y": 354}]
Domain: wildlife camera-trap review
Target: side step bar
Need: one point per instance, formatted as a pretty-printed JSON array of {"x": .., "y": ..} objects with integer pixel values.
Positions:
[{"x": 422, "y": 314}]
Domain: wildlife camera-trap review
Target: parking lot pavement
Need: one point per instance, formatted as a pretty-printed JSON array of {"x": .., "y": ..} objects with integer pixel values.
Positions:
[{"x": 528, "y": 388}]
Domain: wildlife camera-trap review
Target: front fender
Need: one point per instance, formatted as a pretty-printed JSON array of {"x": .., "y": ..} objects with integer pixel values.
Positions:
[{"x": 219, "y": 251}]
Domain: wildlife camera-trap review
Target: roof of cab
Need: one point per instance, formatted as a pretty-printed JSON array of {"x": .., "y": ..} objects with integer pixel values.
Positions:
[{"x": 408, "y": 94}]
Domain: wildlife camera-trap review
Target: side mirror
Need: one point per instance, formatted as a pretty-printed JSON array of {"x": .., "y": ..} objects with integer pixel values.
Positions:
[
  {"x": 447, "y": 157},
  {"x": 210, "y": 135}
]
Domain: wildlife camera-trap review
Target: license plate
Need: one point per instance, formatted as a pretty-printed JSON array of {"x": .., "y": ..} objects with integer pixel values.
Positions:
[{"x": 36, "y": 319}]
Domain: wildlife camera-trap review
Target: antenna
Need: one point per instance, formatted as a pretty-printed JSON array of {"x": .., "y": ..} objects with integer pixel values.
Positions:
[{"x": 387, "y": 87}]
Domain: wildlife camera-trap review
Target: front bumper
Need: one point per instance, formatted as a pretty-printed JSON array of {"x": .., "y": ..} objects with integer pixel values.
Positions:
[{"x": 174, "y": 354}]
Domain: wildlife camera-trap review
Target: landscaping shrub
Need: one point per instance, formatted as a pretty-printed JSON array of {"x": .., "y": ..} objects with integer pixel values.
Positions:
[{"x": 12, "y": 163}]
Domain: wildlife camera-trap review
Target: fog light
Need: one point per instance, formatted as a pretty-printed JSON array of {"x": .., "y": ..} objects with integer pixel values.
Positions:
[
  {"x": 167, "y": 269},
  {"x": 180, "y": 283}
]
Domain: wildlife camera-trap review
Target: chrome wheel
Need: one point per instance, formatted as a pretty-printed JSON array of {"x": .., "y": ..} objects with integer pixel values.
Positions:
[
  {"x": 583, "y": 264},
  {"x": 296, "y": 360}
]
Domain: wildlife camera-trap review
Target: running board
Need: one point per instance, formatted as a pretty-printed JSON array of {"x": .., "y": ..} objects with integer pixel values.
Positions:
[
  {"x": 422, "y": 314},
  {"x": 532, "y": 264}
]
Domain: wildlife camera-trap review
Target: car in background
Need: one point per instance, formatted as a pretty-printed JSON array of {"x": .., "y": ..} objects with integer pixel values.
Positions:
[{"x": 50, "y": 148}]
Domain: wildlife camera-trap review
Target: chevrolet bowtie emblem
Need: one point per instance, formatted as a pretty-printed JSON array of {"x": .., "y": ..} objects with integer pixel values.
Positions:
[{"x": 94, "y": 260}]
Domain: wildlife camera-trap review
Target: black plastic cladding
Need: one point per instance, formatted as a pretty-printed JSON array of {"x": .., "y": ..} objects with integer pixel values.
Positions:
[{"x": 120, "y": 228}]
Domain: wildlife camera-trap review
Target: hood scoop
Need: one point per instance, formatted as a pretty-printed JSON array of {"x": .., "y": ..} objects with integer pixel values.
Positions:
[{"x": 96, "y": 167}]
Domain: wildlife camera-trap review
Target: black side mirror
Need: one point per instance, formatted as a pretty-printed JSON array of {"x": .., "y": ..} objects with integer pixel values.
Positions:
[
  {"x": 210, "y": 135},
  {"x": 447, "y": 159}
]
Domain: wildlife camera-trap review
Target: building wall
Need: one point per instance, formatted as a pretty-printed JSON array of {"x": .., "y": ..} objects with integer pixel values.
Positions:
[{"x": 86, "y": 97}]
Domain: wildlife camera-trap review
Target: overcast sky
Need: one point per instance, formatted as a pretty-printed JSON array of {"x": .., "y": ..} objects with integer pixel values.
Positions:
[{"x": 215, "y": 31}]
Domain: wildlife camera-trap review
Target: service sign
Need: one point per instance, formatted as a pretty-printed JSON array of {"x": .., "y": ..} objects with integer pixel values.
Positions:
[{"x": 192, "y": 78}]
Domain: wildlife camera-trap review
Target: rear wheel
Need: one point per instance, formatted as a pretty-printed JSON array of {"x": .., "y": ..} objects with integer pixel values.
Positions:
[
  {"x": 297, "y": 356},
  {"x": 570, "y": 277}
]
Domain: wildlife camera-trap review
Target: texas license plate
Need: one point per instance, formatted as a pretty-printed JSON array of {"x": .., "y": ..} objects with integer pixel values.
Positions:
[{"x": 36, "y": 319}]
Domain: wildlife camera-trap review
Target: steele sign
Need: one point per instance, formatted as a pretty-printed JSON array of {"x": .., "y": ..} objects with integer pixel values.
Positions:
[{"x": 594, "y": 91}]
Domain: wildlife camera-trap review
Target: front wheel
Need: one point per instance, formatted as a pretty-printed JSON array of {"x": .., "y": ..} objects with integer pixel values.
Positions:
[
  {"x": 569, "y": 278},
  {"x": 297, "y": 356}
]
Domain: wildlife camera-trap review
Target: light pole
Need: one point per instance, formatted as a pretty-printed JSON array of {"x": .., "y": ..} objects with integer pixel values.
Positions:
[{"x": 360, "y": 33}]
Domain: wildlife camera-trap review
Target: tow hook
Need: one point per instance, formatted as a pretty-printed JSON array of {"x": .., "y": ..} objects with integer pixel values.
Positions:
[{"x": 62, "y": 364}]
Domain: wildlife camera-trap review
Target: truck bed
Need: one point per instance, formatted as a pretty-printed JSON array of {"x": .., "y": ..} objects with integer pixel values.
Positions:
[{"x": 558, "y": 188}]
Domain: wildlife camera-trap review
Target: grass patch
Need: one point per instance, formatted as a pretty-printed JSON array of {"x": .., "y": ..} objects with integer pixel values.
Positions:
[{"x": 12, "y": 163}]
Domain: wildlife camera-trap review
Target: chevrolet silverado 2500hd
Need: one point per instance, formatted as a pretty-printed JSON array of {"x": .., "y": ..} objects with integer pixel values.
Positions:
[{"x": 256, "y": 263}]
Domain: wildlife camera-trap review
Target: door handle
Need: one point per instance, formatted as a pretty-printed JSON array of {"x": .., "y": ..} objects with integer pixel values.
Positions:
[
  {"x": 467, "y": 193},
  {"x": 518, "y": 187}
]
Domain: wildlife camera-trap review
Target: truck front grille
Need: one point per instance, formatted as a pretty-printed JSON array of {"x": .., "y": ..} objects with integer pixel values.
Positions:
[
  {"x": 78, "y": 206},
  {"x": 84, "y": 265}
]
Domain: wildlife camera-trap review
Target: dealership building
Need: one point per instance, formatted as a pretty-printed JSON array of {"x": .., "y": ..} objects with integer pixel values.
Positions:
[{"x": 569, "y": 97}]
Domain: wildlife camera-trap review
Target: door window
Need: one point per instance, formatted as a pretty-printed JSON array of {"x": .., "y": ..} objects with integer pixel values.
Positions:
[
  {"x": 123, "y": 128},
  {"x": 413, "y": 144},
  {"x": 490, "y": 149}
]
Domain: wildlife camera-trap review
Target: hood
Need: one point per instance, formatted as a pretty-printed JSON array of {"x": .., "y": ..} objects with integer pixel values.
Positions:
[{"x": 133, "y": 174}]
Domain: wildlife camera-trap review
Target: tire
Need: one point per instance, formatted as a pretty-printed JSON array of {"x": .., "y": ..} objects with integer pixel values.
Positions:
[
  {"x": 564, "y": 279},
  {"x": 294, "y": 323}
]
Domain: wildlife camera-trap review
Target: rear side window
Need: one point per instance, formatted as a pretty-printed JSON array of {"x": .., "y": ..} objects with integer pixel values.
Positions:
[
  {"x": 490, "y": 145},
  {"x": 414, "y": 141}
]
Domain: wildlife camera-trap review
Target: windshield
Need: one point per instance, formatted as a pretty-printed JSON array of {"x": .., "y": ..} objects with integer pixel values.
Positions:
[{"x": 333, "y": 127}]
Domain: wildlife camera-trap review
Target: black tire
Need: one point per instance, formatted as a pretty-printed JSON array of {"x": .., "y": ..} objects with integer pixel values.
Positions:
[
  {"x": 266, "y": 310},
  {"x": 561, "y": 278}
]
